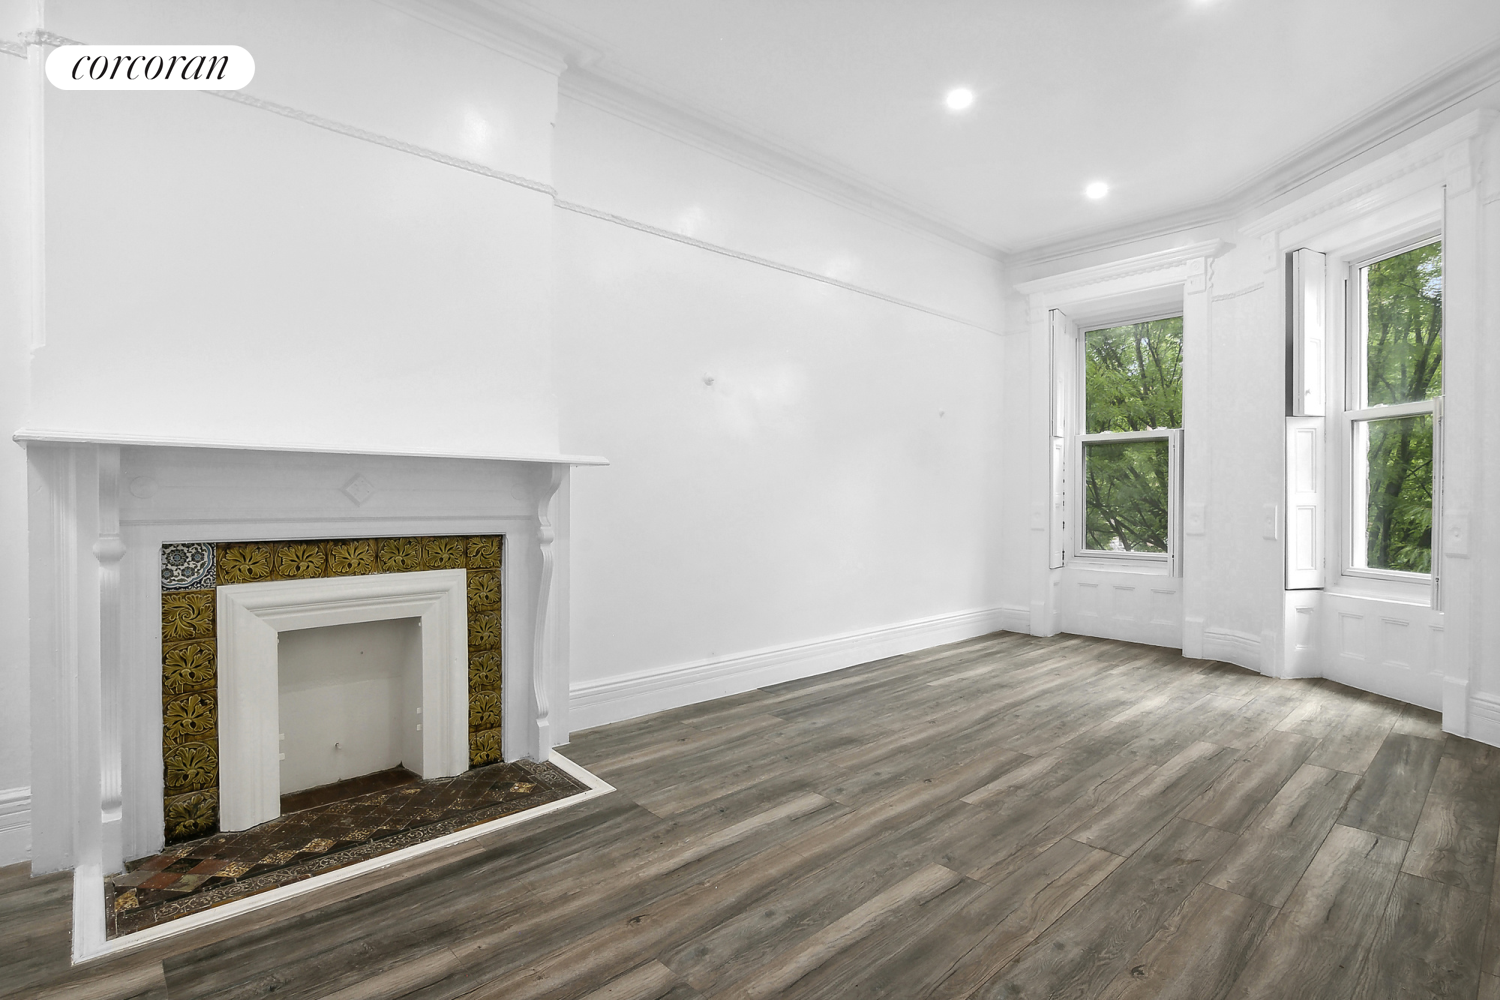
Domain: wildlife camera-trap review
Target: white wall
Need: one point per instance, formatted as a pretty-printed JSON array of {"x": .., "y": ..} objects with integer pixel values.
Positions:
[
  {"x": 15, "y": 342},
  {"x": 838, "y": 476},
  {"x": 219, "y": 271}
]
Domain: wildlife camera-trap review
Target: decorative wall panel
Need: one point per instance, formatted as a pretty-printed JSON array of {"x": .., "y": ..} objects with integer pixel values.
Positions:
[{"x": 191, "y": 570}]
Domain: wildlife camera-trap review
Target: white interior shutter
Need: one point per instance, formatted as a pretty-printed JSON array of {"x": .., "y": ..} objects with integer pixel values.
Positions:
[
  {"x": 1058, "y": 486},
  {"x": 1306, "y": 297},
  {"x": 1305, "y": 544},
  {"x": 1063, "y": 350}
]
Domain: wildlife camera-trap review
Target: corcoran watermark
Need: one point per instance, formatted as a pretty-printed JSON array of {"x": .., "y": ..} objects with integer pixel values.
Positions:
[{"x": 150, "y": 67}]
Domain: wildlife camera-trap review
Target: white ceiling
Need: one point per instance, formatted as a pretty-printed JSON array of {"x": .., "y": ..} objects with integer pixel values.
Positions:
[{"x": 1177, "y": 104}]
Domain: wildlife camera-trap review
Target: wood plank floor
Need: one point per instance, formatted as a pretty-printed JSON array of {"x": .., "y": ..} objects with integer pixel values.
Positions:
[{"x": 1003, "y": 817}]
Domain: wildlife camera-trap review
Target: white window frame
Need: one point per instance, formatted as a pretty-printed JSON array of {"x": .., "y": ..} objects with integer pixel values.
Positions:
[
  {"x": 1354, "y": 419},
  {"x": 1167, "y": 563}
]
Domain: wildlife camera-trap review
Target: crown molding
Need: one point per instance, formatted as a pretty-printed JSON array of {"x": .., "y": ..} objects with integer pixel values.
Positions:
[
  {"x": 1440, "y": 90},
  {"x": 1461, "y": 78},
  {"x": 500, "y": 30},
  {"x": 1359, "y": 188},
  {"x": 629, "y": 98},
  {"x": 1161, "y": 260}
]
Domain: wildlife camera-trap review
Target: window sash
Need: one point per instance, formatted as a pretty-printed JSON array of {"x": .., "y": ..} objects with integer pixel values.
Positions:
[
  {"x": 1081, "y": 551},
  {"x": 1357, "y": 416},
  {"x": 1356, "y": 354},
  {"x": 1356, "y": 436}
]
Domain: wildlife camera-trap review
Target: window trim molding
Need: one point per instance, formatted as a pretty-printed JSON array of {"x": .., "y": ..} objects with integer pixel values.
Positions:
[
  {"x": 1075, "y": 549},
  {"x": 1346, "y": 373}
]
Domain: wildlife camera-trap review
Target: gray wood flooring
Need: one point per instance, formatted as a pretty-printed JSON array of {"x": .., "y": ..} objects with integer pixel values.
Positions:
[{"x": 999, "y": 818}]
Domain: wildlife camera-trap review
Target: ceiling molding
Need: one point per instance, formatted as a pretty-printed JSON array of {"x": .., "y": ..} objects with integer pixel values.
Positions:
[
  {"x": 499, "y": 30},
  {"x": 633, "y": 100},
  {"x": 592, "y": 80},
  {"x": 529, "y": 32},
  {"x": 1433, "y": 94},
  {"x": 1432, "y": 148},
  {"x": 1408, "y": 108},
  {"x": 1161, "y": 260}
]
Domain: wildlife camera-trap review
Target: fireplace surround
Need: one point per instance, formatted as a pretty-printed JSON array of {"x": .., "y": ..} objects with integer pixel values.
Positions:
[
  {"x": 208, "y": 588},
  {"x": 101, "y": 512}
]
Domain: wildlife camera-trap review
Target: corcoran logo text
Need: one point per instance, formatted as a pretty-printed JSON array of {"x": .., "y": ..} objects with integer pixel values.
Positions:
[{"x": 150, "y": 67}]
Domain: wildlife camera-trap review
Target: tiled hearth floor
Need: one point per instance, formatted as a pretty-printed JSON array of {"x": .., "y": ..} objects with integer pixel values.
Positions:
[{"x": 199, "y": 874}]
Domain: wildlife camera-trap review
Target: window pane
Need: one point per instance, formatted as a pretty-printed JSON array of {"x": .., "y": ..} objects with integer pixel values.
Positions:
[
  {"x": 1403, "y": 327},
  {"x": 1125, "y": 503},
  {"x": 1398, "y": 512},
  {"x": 1133, "y": 376}
]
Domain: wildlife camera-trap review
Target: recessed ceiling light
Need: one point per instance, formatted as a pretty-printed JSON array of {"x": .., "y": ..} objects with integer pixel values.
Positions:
[
  {"x": 959, "y": 99},
  {"x": 1097, "y": 190}
]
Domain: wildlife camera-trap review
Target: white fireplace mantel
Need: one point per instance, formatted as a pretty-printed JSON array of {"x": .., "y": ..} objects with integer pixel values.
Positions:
[{"x": 101, "y": 507}]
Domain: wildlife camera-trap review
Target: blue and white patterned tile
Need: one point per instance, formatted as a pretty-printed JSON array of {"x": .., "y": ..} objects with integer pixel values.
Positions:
[{"x": 187, "y": 566}]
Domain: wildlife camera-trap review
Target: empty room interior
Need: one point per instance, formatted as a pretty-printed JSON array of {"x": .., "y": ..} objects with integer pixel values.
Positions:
[{"x": 660, "y": 500}]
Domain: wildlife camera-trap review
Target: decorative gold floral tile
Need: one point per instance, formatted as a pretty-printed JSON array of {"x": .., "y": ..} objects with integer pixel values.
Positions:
[
  {"x": 188, "y": 666},
  {"x": 244, "y": 562},
  {"x": 484, "y": 670},
  {"x": 399, "y": 555},
  {"x": 355, "y": 557},
  {"x": 484, "y": 747},
  {"x": 126, "y": 901},
  {"x": 189, "y": 655},
  {"x": 484, "y": 590},
  {"x": 443, "y": 553},
  {"x": 300, "y": 560},
  {"x": 187, "y": 614},
  {"x": 190, "y": 718},
  {"x": 484, "y": 630},
  {"x": 485, "y": 552},
  {"x": 193, "y": 814},
  {"x": 484, "y": 710},
  {"x": 319, "y": 845},
  {"x": 191, "y": 767}
]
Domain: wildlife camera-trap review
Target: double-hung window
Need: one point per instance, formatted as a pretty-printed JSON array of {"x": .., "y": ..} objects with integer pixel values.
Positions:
[
  {"x": 1128, "y": 452},
  {"x": 1392, "y": 412}
]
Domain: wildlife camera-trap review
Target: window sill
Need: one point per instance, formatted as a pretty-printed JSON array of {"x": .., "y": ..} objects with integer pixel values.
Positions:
[
  {"x": 1391, "y": 591},
  {"x": 1144, "y": 567}
]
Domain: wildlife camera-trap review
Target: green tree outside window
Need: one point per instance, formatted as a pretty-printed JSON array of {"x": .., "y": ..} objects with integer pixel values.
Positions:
[
  {"x": 1132, "y": 382},
  {"x": 1403, "y": 355}
]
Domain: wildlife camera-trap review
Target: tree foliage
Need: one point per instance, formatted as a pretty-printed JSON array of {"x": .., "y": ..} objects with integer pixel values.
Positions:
[
  {"x": 1398, "y": 518},
  {"x": 1132, "y": 382},
  {"x": 1404, "y": 327},
  {"x": 1126, "y": 502},
  {"x": 1403, "y": 363},
  {"x": 1133, "y": 376}
]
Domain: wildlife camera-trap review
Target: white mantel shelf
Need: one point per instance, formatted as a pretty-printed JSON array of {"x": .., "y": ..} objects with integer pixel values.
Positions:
[{"x": 29, "y": 435}]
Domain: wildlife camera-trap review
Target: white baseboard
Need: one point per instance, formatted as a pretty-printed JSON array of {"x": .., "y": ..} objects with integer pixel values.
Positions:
[
  {"x": 1483, "y": 721},
  {"x": 1194, "y": 637},
  {"x": 1240, "y": 648},
  {"x": 595, "y": 703},
  {"x": 1016, "y": 620},
  {"x": 15, "y": 825}
]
